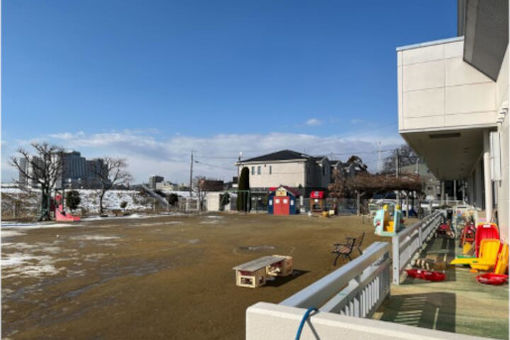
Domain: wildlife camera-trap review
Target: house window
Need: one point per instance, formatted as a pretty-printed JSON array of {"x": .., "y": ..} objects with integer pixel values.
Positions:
[
  {"x": 270, "y": 169},
  {"x": 259, "y": 169},
  {"x": 253, "y": 170}
]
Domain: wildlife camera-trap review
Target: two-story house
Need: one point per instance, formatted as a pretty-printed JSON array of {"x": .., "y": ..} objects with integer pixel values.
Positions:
[{"x": 290, "y": 168}]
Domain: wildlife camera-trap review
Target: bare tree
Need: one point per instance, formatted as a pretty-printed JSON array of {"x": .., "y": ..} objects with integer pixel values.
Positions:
[
  {"x": 406, "y": 156},
  {"x": 44, "y": 168},
  {"x": 110, "y": 172},
  {"x": 337, "y": 188}
]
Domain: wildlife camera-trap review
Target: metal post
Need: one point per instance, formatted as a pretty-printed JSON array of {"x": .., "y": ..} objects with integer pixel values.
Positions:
[{"x": 396, "y": 259}]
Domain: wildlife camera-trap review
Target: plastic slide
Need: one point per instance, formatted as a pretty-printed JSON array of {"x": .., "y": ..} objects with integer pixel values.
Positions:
[
  {"x": 485, "y": 231},
  {"x": 502, "y": 262},
  {"x": 489, "y": 251},
  {"x": 61, "y": 215},
  {"x": 488, "y": 255}
]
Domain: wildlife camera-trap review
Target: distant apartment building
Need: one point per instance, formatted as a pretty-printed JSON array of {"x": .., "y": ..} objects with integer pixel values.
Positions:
[
  {"x": 154, "y": 180},
  {"x": 290, "y": 168},
  {"x": 76, "y": 172}
]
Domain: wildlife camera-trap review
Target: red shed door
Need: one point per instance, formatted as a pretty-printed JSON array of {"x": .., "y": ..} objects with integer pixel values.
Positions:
[{"x": 281, "y": 205}]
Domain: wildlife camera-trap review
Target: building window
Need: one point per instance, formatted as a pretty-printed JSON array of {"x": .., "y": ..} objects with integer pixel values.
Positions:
[
  {"x": 253, "y": 170},
  {"x": 259, "y": 169},
  {"x": 270, "y": 169}
]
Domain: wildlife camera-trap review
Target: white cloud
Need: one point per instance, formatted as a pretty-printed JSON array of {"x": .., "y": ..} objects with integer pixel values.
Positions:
[
  {"x": 313, "y": 122},
  {"x": 170, "y": 156}
]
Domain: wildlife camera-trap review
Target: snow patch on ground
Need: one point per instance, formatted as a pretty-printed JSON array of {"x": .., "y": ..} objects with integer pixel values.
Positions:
[
  {"x": 27, "y": 265},
  {"x": 94, "y": 238},
  {"x": 210, "y": 222},
  {"x": 38, "y": 225},
  {"x": 11, "y": 233}
]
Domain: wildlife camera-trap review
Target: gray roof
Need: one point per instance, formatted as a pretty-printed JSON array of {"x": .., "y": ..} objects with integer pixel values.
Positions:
[{"x": 282, "y": 155}]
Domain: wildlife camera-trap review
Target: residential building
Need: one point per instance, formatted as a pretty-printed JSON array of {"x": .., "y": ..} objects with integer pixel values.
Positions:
[
  {"x": 290, "y": 168},
  {"x": 211, "y": 185},
  {"x": 74, "y": 170},
  {"x": 154, "y": 180},
  {"x": 453, "y": 106},
  {"x": 167, "y": 185},
  {"x": 96, "y": 173}
]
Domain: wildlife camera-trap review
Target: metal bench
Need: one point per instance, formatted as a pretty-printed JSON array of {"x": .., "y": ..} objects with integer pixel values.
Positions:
[{"x": 344, "y": 249}]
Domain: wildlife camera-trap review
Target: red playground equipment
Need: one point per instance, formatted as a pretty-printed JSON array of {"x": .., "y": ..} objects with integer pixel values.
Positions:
[
  {"x": 60, "y": 214},
  {"x": 485, "y": 231},
  {"x": 467, "y": 235}
]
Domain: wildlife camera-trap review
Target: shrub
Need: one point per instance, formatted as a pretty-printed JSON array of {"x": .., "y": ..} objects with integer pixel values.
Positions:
[{"x": 73, "y": 199}]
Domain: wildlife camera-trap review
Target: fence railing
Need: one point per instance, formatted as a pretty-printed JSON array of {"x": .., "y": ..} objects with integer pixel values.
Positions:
[
  {"x": 356, "y": 289},
  {"x": 410, "y": 240}
]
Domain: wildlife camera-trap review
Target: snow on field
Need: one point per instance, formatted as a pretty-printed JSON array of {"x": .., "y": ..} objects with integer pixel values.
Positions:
[
  {"x": 11, "y": 233},
  {"x": 94, "y": 238},
  {"x": 90, "y": 199},
  {"x": 36, "y": 225},
  {"x": 27, "y": 265}
]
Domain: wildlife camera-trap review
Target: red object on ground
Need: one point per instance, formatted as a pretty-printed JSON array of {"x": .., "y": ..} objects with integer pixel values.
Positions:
[
  {"x": 492, "y": 279},
  {"x": 61, "y": 215},
  {"x": 483, "y": 231},
  {"x": 426, "y": 275}
]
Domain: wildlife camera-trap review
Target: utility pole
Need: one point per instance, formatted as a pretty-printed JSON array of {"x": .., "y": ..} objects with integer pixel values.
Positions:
[
  {"x": 379, "y": 159},
  {"x": 191, "y": 176},
  {"x": 396, "y": 174},
  {"x": 396, "y": 163}
]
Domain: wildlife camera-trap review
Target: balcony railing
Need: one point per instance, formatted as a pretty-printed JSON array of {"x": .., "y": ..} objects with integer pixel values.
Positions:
[
  {"x": 356, "y": 289},
  {"x": 408, "y": 242}
]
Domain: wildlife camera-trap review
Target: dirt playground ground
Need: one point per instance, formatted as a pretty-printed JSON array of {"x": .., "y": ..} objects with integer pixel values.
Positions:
[{"x": 158, "y": 277}]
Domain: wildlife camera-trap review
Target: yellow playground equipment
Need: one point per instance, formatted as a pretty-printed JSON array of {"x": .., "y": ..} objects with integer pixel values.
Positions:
[
  {"x": 502, "y": 263},
  {"x": 489, "y": 249},
  {"x": 386, "y": 225}
]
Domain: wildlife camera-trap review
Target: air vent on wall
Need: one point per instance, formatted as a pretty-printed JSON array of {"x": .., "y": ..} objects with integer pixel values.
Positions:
[{"x": 445, "y": 135}]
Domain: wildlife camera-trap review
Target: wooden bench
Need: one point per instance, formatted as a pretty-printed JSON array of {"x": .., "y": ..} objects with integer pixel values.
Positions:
[{"x": 255, "y": 273}]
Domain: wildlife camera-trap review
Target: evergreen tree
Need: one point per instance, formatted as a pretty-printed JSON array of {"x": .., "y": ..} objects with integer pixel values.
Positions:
[
  {"x": 243, "y": 196},
  {"x": 73, "y": 199}
]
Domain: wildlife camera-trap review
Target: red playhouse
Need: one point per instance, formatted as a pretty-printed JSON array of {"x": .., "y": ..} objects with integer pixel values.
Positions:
[
  {"x": 317, "y": 201},
  {"x": 282, "y": 201},
  {"x": 60, "y": 214}
]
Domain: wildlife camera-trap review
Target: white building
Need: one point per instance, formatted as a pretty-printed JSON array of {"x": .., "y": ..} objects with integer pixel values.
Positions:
[
  {"x": 290, "y": 168},
  {"x": 453, "y": 105}
]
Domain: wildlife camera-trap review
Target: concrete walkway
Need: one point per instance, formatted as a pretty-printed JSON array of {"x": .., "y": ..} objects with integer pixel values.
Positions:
[{"x": 460, "y": 304}]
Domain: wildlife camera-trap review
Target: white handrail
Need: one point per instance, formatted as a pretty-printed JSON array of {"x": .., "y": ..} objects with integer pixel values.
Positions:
[
  {"x": 410, "y": 240},
  {"x": 357, "y": 288}
]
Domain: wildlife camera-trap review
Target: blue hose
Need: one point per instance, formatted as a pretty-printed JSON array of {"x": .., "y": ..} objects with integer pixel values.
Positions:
[{"x": 303, "y": 320}]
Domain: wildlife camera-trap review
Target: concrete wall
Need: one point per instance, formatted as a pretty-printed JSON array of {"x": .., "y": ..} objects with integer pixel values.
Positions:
[
  {"x": 274, "y": 322},
  {"x": 437, "y": 90},
  {"x": 291, "y": 174},
  {"x": 503, "y": 187}
]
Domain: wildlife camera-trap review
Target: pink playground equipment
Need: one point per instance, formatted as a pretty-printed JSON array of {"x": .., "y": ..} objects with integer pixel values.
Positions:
[{"x": 60, "y": 214}]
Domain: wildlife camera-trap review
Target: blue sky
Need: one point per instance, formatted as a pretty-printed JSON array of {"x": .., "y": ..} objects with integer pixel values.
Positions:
[{"x": 151, "y": 80}]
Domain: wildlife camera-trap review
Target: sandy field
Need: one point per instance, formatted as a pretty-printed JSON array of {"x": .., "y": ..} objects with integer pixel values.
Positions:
[{"x": 165, "y": 277}]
